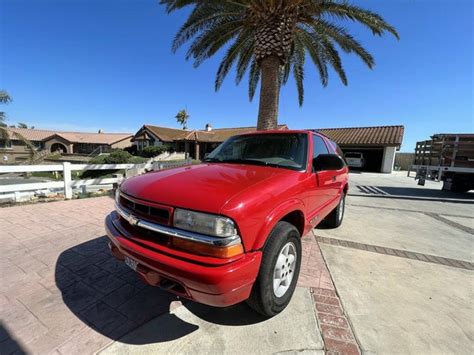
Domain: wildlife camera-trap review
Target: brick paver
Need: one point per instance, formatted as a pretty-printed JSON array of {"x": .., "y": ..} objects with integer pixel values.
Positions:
[{"x": 62, "y": 291}]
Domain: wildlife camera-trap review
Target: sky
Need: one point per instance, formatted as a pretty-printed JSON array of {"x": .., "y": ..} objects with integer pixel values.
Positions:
[{"x": 85, "y": 65}]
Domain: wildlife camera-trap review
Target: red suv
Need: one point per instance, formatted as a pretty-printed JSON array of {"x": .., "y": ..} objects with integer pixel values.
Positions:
[{"x": 230, "y": 228}]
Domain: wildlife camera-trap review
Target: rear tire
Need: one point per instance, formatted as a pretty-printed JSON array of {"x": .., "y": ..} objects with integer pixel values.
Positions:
[
  {"x": 279, "y": 271},
  {"x": 334, "y": 219}
]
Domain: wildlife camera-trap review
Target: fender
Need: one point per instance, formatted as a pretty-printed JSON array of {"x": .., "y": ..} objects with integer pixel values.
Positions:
[{"x": 274, "y": 217}]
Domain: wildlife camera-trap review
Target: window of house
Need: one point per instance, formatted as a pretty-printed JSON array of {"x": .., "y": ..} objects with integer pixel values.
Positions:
[
  {"x": 37, "y": 145},
  {"x": 5, "y": 145}
]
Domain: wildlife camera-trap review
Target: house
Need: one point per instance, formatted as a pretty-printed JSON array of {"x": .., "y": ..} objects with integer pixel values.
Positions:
[
  {"x": 378, "y": 144},
  {"x": 63, "y": 142},
  {"x": 196, "y": 143}
]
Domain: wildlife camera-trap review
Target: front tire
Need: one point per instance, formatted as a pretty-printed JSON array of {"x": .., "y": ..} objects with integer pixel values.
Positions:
[
  {"x": 334, "y": 219},
  {"x": 279, "y": 271}
]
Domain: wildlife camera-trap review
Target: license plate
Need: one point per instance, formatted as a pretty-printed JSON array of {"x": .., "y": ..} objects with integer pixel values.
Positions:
[{"x": 132, "y": 264}]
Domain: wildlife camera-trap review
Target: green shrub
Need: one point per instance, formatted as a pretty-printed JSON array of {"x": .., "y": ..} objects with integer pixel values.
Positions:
[
  {"x": 153, "y": 151},
  {"x": 116, "y": 157},
  {"x": 100, "y": 159},
  {"x": 137, "y": 160}
]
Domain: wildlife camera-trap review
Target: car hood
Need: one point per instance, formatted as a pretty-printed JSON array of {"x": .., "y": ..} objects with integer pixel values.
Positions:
[{"x": 203, "y": 187}]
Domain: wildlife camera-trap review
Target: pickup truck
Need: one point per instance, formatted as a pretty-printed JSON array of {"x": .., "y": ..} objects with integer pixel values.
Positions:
[{"x": 229, "y": 229}]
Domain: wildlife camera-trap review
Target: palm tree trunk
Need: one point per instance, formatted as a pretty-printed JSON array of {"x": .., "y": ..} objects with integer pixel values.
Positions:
[{"x": 269, "y": 93}]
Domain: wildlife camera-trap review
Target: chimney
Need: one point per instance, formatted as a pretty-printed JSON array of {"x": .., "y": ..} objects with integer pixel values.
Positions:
[
  {"x": 208, "y": 127},
  {"x": 100, "y": 131}
]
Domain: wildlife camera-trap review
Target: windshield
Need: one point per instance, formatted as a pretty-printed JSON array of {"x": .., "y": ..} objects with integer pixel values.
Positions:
[{"x": 278, "y": 150}]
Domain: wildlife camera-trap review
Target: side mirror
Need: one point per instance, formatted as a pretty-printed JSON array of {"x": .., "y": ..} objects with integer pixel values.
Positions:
[
  {"x": 328, "y": 162},
  {"x": 206, "y": 155}
]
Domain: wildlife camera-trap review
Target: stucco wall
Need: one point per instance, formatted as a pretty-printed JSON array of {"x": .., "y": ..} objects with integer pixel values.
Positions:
[
  {"x": 48, "y": 144},
  {"x": 388, "y": 159},
  {"x": 17, "y": 151},
  {"x": 122, "y": 144}
]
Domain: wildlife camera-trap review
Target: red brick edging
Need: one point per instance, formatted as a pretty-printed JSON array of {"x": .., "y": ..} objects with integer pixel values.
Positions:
[{"x": 336, "y": 330}]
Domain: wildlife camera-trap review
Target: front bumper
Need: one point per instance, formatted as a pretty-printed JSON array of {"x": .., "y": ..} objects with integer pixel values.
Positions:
[{"x": 219, "y": 286}]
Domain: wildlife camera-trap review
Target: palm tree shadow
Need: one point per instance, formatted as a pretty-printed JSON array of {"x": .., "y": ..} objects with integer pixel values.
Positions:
[{"x": 111, "y": 299}]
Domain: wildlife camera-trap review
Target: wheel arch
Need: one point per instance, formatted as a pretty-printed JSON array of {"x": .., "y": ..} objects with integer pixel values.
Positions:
[
  {"x": 345, "y": 189},
  {"x": 295, "y": 218},
  {"x": 291, "y": 212}
]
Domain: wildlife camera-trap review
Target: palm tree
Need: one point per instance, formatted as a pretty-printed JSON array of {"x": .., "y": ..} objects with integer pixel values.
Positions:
[
  {"x": 4, "y": 99},
  {"x": 7, "y": 134},
  {"x": 182, "y": 118},
  {"x": 270, "y": 39}
]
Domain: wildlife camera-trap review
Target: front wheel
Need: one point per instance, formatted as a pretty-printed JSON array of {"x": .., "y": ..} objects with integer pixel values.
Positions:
[
  {"x": 279, "y": 271},
  {"x": 334, "y": 219}
]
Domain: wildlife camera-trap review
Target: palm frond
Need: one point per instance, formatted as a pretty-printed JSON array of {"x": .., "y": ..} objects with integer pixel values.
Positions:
[
  {"x": 254, "y": 78},
  {"x": 298, "y": 60},
  {"x": 249, "y": 30},
  {"x": 345, "y": 11}
]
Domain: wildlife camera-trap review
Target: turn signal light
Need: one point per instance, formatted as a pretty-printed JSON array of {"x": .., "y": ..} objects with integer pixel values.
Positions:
[{"x": 209, "y": 250}]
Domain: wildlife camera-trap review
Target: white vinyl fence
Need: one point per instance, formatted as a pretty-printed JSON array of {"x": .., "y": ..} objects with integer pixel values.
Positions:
[{"x": 67, "y": 185}]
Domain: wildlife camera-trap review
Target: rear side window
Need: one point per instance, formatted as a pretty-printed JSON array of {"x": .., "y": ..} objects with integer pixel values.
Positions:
[
  {"x": 319, "y": 147},
  {"x": 337, "y": 149}
]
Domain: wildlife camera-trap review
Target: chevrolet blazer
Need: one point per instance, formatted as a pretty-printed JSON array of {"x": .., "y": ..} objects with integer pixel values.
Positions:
[{"x": 229, "y": 229}]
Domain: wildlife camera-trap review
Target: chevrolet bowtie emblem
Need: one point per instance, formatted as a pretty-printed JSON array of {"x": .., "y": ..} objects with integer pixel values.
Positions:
[{"x": 132, "y": 220}]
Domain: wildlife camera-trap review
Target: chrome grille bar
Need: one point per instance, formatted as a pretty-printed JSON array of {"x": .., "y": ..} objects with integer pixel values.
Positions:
[{"x": 177, "y": 233}]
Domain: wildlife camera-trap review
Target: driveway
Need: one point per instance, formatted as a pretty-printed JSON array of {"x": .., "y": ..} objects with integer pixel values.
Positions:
[
  {"x": 402, "y": 264},
  {"x": 62, "y": 292},
  {"x": 397, "y": 276}
]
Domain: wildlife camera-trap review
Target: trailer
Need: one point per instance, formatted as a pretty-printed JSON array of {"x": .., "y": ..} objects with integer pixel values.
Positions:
[{"x": 448, "y": 158}]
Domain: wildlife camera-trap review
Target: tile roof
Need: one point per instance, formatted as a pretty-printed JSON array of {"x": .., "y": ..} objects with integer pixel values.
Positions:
[
  {"x": 167, "y": 134},
  {"x": 370, "y": 136},
  {"x": 73, "y": 137},
  {"x": 215, "y": 135},
  {"x": 221, "y": 134}
]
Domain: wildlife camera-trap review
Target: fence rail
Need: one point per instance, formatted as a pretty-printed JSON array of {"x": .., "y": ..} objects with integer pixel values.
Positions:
[{"x": 68, "y": 185}]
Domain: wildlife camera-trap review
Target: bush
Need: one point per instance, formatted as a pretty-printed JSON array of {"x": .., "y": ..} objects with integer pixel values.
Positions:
[
  {"x": 137, "y": 160},
  {"x": 100, "y": 159},
  {"x": 116, "y": 157},
  {"x": 153, "y": 151}
]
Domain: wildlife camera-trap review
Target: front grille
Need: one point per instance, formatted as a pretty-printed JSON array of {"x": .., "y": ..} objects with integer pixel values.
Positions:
[
  {"x": 150, "y": 212},
  {"x": 143, "y": 235}
]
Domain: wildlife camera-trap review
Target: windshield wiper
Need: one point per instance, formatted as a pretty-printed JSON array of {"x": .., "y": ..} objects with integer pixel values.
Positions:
[{"x": 213, "y": 160}]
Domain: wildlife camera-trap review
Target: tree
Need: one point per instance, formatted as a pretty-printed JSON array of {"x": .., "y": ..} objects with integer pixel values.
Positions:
[
  {"x": 7, "y": 134},
  {"x": 4, "y": 99},
  {"x": 22, "y": 125},
  {"x": 182, "y": 118},
  {"x": 270, "y": 39}
]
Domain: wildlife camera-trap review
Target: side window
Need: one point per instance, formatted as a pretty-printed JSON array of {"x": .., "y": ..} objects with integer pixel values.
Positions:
[
  {"x": 337, "y": 149},
  {"x": 318, "y": 146}
]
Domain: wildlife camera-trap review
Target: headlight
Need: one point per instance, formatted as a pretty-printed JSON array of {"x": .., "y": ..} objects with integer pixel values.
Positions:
[{"x": 204, "y": 223}]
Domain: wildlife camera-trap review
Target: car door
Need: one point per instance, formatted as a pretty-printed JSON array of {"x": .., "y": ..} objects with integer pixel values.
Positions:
[
  {"x": 339, "y": 177},
  {"x": 319, "y": 193}
]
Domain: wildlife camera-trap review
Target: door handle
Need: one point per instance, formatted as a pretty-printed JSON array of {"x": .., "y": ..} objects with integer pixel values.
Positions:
[{"x": 334, "y": 178}]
